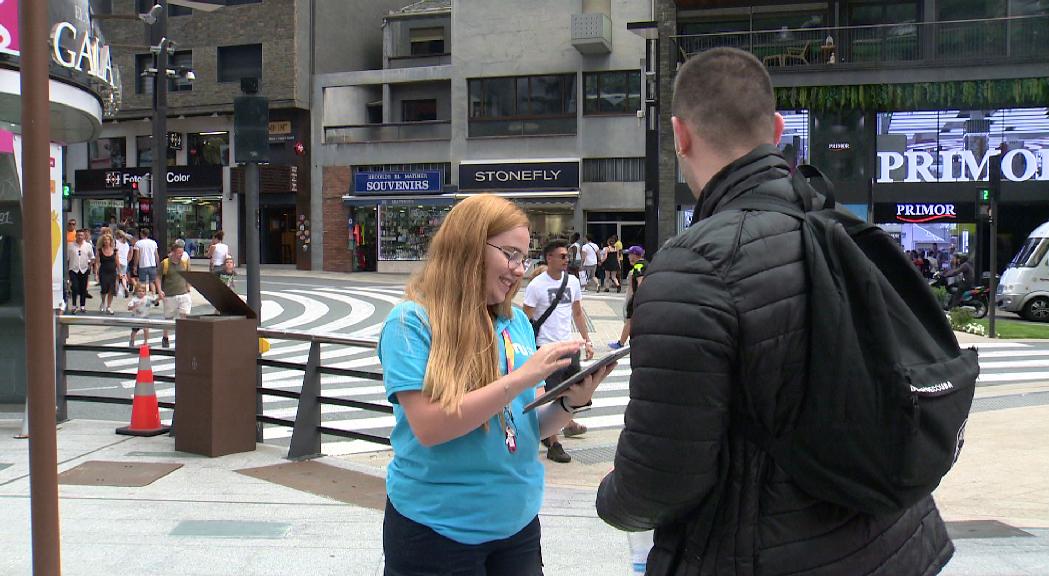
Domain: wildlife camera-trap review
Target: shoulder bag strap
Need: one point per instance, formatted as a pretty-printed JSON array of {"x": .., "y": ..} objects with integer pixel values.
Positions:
[{"x": 557, "y": 300}]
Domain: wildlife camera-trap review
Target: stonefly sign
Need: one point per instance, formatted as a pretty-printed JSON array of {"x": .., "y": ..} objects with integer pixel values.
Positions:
[{"x": 420, "y": 182}]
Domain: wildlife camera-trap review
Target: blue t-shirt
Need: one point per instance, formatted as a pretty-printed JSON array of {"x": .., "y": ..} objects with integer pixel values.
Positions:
[{"x": 470, "y": 489}]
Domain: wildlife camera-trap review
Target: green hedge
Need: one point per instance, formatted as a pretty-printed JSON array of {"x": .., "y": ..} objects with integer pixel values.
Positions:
[{"x": 1027, "y": 92}]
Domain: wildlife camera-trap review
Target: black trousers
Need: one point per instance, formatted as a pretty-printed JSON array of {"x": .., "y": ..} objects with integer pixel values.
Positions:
[
  {"x": 412, "y": 549},
  {"x": 79, "y": 288}
]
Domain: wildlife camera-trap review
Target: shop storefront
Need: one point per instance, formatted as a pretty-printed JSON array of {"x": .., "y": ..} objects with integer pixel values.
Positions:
[
  {"x": 937, "y": 230},
  {"x": 392, "y": 218},
  {"x": 194, "y": 201},
  {"x": 547, "y": 190}
]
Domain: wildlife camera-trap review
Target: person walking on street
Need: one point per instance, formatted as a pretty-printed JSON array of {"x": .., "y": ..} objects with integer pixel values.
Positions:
[
  {"x": 611, "y": 265},
  {"x": 553, "y": 302},
  {"x": 965, "y": 278},
  {"x": 575, "y": 256},
  {"x": 459, "y": 364},
  {"x": 106, "y": 271},
  {"x": 174, "y": 287},
  {"x": 146, "y": 255},
  {"x": 139, "y": 306},
  {"x": 80, "y": 260},
  {"x": 589, "y": 252},
  {"x": 636, "y": 274},
  {"x": 722, "y": 326},
  {"x": 123, "y": 252},
  {"x": 217, "y": 252}
]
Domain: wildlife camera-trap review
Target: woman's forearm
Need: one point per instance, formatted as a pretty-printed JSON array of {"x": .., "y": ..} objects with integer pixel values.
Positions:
[
  {"x": 432, "y": 425},
  {"x": 552, "y": 418}
]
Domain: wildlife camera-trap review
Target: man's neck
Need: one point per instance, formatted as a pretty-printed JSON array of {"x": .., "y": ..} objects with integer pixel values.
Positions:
[{"x": 551, "y": 274}]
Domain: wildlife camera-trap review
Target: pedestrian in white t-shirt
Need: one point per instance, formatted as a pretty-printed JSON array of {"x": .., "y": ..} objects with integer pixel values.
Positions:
[
  {"x": 540, "y": 295},
  {"x": 145, "y": 260},
  {"x": 591, "y": 256},
  {"x": 123, "y": 252},
  {"x": 217, "y": 252}
]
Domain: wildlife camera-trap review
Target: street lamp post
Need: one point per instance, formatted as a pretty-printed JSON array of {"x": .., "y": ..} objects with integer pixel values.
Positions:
[{"x": 159, "y": 185}]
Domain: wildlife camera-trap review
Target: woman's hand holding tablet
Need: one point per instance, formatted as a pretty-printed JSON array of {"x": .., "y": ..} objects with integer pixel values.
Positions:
[{"x": 600, "y": 368}]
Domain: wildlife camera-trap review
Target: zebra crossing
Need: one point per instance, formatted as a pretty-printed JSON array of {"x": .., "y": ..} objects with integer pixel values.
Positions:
[{"x": 359, "y": 312}]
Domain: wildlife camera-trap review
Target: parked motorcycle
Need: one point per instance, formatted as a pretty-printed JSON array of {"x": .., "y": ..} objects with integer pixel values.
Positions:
[{"x": 976, "y": 298}]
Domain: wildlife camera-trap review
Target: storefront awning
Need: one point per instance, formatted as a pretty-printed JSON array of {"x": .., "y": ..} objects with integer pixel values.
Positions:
[{"x": 417, "y": 200}]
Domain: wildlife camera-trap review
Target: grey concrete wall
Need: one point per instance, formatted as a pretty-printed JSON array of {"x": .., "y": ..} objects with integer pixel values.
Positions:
[{"x": 349, "y": 33}]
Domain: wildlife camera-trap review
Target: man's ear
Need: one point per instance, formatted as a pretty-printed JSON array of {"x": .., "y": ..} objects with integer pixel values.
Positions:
[
  {"x": 682, "y": 136},
  {"x": 779, "y": 124}
]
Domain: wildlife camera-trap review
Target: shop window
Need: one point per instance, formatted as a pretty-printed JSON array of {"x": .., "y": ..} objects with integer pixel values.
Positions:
[
  {"x": 612, "y": 92},
  {"x": 208, "y": 149},
  {"x": 107, "y": 153},
  {"x": 499, "y": 106},
  {"x": 405, "y": 231},
  {"x": 144, "y": 146},
  {"x": 194, "y": 220},
  {"x": 418, "y": 110},
  {"x": 426, "y": 41},
  {"x": 969, "y": 9},
  {"x": 613, "y": 170},
  {"x": 236, "y": 62}
]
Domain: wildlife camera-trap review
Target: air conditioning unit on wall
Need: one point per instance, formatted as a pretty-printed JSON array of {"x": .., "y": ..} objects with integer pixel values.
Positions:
[{"x": 592, "y": 33}]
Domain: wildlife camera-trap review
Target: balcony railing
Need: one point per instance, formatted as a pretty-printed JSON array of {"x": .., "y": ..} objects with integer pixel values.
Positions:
[
  {"x": 391, "y": 132},
  {"x": 951, "y": 42}
]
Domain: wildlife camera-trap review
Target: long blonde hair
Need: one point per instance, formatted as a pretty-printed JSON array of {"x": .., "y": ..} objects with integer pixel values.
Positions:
[{"x": 451, "y": 287}]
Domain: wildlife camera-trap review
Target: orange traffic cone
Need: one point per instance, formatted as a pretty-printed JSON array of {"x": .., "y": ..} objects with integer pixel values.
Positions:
[{"x": 145, "y": 413}]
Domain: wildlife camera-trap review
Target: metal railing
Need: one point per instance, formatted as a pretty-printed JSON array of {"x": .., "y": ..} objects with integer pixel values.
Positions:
[
  {"x": 389, "y": 132},
  {"x": 307, "y": 427},
  {"x": 986, "y": 40}
]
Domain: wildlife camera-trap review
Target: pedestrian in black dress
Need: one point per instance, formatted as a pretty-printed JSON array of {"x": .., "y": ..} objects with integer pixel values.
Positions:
[{"x": 107, "y": 272}]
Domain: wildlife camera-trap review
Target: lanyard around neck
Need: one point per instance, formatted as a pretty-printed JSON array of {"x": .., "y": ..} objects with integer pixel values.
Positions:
[{"x": 508, "y": 347}]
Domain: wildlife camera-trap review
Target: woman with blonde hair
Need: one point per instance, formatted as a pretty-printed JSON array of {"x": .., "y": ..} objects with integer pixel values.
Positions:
[
  {"x": 106, "y": 272},
  {"x": 459, "y": 365}
]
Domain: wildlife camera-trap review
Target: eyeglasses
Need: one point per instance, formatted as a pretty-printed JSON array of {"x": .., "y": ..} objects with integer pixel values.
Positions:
[
  {"x": 563, "y": 256},
  {"x": 514, "y": 257}
]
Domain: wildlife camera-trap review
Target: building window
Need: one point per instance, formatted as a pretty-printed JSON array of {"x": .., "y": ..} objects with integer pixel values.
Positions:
[
  {"x": 612, "y": 92},
  {"x": 418, "y": 110},
  {"x": 107, "y": 153},
  {"x": 426, "y": 41},
  {"x": 144, "y": 6},
  {"x": 613, "y": 170},
  {"x": 181, "y": 59},
  {"x": 498, "y": 105},
  {"x": 236, "y": 62},
  {"x": 143, "y": 84},
  {"x": 144, "y": 144},
  {"x": 208, "y": 149}
]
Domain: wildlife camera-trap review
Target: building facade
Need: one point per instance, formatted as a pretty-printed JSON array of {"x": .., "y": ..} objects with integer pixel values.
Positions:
[
  {"x": 902, "y": 103},
  {"x": 537, "y": 102},
  {"x": 270, "y": 40}
]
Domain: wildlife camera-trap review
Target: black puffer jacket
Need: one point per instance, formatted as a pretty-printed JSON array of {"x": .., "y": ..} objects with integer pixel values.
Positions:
[{"x": 722, "y": 314}]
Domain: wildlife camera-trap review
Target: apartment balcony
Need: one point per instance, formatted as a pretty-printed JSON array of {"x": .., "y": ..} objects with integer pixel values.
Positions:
[
  {"x": 994, "y": 41},
  {"x": 389, "y": 132}
]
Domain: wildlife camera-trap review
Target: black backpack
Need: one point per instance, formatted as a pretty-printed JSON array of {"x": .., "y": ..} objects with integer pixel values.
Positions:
[{"x": 888, "y": 391}]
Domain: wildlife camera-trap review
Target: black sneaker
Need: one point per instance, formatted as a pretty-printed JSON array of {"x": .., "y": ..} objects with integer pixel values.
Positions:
[
  {"x": 165, "y": 342},
  {"x": 557, "y": 454}
]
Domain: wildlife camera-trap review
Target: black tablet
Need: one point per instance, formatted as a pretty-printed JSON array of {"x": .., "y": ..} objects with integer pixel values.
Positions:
[{"x": 555, "y": 392}]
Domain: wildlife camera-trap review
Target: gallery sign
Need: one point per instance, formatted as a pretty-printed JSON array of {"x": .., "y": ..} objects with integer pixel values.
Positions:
[
  {"x": 923, "y": 212},
  {"x": 538, "y": 175},
  {"x": 418, "y": 182},
  {"x": 1019, "y": 165}
]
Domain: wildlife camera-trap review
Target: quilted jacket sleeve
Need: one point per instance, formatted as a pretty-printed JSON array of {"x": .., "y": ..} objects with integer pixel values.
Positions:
[{"x": 683, "y": 342}]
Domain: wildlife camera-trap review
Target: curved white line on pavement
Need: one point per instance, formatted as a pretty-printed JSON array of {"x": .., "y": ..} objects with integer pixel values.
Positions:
[
  {"x": 360, "y": 310},
  {"x": 314, "y": 310},
  {"x": 270, "y": 310},
  {"x": 392, "y": 299}
]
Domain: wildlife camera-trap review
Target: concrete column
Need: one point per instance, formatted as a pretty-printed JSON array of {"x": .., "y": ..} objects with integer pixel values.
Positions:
[{"x": 666, "y": 16}]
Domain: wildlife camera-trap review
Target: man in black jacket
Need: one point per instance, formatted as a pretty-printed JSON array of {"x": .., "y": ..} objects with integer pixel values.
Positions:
[{"x": 722, "y": 325}]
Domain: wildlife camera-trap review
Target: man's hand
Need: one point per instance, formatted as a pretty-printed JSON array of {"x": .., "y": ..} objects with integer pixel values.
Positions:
[{"x": 589, "y": 350}]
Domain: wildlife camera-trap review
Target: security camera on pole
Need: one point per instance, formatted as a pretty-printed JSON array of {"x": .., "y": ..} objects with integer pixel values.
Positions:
[{"x": 251, "y": 116}]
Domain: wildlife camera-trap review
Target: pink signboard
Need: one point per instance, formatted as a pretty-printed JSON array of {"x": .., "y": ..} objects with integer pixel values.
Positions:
[
  {"x": 7, "y": 142},
  {"x": 9, "y": 26}
]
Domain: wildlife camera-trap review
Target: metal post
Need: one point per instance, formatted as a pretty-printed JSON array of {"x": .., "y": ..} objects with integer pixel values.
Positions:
[
  {"x": 251, "y": 214},
  {"x": 159, "y": 184},
  {"x": 305, "y": 437},
  {"x": 994, "y": 175},
  {"x": 39, "y": 316},
  {"x": 651, "y": 146},
  {"x": 61, "y": 386}
]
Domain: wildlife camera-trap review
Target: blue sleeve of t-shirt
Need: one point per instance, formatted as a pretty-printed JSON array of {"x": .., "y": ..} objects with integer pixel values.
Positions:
[{"x": 404, "y": 349}]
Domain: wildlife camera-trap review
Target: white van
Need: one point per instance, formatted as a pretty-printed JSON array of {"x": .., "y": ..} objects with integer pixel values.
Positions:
[{"x": 1024, "y": 287}]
